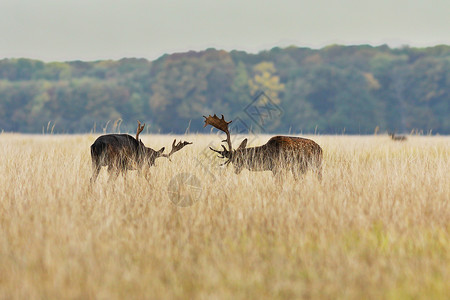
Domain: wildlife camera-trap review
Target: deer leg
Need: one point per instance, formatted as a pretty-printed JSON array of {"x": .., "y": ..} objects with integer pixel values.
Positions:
[
  {"x": 143, "y": 170},
  {"x": 113, "y": 173},
  {"x": 95, "y": 173},
  {"x": 319, "y": 173},
  {"x": 93, "y": 177},
  {"x": 146, "y": 173},
  {"x": 278, "y": 174},
  {"x": 294, "y": 173},
  {"x": 275, "y": 171},
  {"x": 317, "y": 168}
]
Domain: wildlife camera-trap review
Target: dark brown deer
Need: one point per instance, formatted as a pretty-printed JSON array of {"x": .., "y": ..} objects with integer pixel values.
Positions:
[
  {"x": 280, "y": 153},
  {"x": 122, "y": 152},
  {"x": 395, "y": 137}
]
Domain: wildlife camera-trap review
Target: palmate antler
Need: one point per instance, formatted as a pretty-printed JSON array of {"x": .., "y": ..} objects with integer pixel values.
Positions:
[
  {"x": 176, "y": 147},
  {"x": 222, "y": 125},
  {"x": 139, "y": 130}
]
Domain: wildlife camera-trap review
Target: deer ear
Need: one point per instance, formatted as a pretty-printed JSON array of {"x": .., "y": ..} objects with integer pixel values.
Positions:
[
  {"x": 242, "y": 145},
  {"x": 161, "y": 150}
]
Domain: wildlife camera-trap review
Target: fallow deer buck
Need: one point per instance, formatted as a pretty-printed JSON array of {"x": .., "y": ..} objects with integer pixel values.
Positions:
[
  {"x": 122, "y": 152},
  {"x": 280, "y": 153}
]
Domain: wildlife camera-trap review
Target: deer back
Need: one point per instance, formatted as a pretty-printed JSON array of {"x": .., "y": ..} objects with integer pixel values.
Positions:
[
  {"x": 293, "y": 149},
  {"x": 296, "y": 144},
  {"x": 114, "y": 148}
]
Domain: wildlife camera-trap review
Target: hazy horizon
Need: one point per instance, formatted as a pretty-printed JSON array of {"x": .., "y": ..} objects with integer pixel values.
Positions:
[{"x": 52, "y": 30}]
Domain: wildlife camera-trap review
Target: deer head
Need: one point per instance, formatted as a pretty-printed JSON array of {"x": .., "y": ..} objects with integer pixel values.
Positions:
[
  {"x": 148, "y": 154},
  {"x": 222, "y": 125},
  {"x": 151, "y": 155}
]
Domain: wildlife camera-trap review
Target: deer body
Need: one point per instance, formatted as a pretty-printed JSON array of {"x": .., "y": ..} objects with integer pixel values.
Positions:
[
  {"x": 122, "y": 152},
  {"x": 395, "y": 137},
  {"x": 278, "y": 154}
]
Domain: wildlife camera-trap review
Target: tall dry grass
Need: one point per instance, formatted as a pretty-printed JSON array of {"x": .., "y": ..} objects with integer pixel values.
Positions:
[{"x": 376, "y": 227}]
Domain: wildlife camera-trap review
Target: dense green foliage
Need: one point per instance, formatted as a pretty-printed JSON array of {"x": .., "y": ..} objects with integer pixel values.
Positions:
[{"x": 352, "y": 89}]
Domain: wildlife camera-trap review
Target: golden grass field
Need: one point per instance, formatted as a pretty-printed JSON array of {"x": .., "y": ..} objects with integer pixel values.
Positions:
[{"x": 376, "y": 227}]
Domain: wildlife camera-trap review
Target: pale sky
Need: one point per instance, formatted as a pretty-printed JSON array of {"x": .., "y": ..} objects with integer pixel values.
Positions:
[{"x": 60, "y": 30}]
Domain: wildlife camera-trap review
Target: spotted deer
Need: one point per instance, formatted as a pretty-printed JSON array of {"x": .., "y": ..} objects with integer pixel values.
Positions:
[
  {"x": 280, "y": 153},
  {"x": 122, "y": 152}
]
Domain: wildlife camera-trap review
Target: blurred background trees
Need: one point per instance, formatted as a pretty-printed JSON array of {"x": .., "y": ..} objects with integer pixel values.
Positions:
[{"x": 351, "y": 89}]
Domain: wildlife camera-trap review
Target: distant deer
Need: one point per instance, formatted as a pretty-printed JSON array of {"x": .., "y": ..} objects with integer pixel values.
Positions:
[
  {"x": 395, "y": 137},
  {"x": 279, "y": 153},
  {"x": 122, "y": 152}
]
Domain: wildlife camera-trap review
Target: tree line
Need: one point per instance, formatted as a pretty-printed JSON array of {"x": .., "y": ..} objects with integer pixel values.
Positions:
[{"x": 336, "y": 89}]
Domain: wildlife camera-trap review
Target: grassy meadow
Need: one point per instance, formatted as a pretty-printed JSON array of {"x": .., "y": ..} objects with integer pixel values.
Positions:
[{"x": 376, "y": 227}]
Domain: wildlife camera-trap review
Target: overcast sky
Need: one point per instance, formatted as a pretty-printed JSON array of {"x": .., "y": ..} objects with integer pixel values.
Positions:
[{"x": 59, "y": 30}]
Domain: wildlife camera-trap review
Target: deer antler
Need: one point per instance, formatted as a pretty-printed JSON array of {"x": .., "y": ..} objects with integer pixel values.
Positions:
[
  {"x": 176, "y": 147},
  {"x": 220, "y": 124},
  {"x": 139, "y": 130}
]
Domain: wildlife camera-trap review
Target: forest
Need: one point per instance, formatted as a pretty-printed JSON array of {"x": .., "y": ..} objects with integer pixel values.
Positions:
[{"x": 333, "y": 90}]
